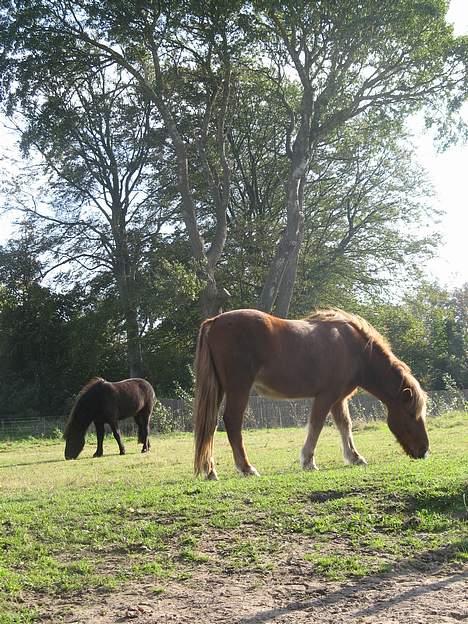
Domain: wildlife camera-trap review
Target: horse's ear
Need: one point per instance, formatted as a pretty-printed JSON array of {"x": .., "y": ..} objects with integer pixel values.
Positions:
[{"x": 407, "y": 394}]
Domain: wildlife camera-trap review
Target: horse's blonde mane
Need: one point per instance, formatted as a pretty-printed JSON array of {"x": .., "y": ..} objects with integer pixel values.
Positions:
[
  {"x": 373, "y": 337},
  {"x": 375, "y": 340}
]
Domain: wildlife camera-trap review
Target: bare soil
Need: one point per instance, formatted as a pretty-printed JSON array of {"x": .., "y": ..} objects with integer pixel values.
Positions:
[{"x": 437, "y": 593}]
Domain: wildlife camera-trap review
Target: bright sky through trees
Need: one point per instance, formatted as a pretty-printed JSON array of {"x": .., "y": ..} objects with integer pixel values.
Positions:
[
  {"x": 446, "y": 170},
  {"x": 448, "y": 174}
]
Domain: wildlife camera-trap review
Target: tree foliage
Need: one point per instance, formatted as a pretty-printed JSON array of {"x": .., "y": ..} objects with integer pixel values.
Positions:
[{"x": 201, "y": 156}]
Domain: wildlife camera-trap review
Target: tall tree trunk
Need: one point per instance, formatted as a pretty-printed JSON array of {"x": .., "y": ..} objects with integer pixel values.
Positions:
[
  {"x": 134, "y": 354},
  {"x": 129, "y": 309},
  {"x": 128, "y": 303},
  {"x": 286, "y": 287},
  {"x": 279, "y": 284},
  {"x": 210, "y": 302},
  {"x": 218, "y": 182}
]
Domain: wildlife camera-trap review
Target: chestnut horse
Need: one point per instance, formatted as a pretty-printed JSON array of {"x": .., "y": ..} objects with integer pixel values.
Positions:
[
  {"x": 326, "y": 356},
  {"x": 101, "y": 402}
]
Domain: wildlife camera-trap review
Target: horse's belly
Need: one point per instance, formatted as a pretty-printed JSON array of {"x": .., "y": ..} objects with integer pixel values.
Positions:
[
  {"x": 271, "y": 393},
  {"x": 292, "y": 390}
]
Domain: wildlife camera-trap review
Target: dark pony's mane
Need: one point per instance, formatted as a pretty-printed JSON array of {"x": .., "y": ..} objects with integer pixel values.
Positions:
[
  {"x": 375, "y": 340},
  {"x": 84, "y": 390}
]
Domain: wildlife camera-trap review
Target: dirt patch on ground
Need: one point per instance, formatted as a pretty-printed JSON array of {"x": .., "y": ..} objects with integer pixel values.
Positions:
[{"x": 438, "y": 595}]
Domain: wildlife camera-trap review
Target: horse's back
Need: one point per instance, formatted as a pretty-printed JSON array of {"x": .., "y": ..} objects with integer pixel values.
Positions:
[
  {"x": 129, "y": 396},
  {"x": 283, "y": 358}
]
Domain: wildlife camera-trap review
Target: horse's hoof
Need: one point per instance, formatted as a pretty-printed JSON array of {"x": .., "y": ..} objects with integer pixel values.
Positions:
[
  {"x": 251, "y": 471},
  {"x": 212, "y": 476},
  {"x": 122, "y": 453},
  {"x": 310, "y": 467},
  {"x": 357, "y": 461},
  {"x": 97, "y": 455}
]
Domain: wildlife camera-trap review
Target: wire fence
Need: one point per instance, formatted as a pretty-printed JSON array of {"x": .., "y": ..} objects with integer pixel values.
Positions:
[{"x": 172, "y": 415}]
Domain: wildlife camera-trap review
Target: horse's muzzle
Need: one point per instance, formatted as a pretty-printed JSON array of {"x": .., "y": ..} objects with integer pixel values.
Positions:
[{"x": 422, "y": 454}]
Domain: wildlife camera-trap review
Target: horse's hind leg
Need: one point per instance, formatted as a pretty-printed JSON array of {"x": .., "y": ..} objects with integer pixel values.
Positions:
[
  {"x": 100, "y": 439},
  {"x": 320, "y": 409},
  {"x": 143, "y": 423},
  {"x": 118, "y": 439},
  {"x": 233, "y": 418},
  {"x": 340, "y": 413}
]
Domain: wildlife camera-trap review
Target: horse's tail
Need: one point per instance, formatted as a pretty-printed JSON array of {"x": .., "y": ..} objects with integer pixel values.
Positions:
[
  {"x": 208, "y": 394},
  {"x": 75, "y": 413}
]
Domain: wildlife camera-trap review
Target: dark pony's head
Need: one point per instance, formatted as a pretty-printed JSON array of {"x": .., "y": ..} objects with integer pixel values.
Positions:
[
  {"x": 78, "y": 422},
  {"x": 74, "y": 440}
]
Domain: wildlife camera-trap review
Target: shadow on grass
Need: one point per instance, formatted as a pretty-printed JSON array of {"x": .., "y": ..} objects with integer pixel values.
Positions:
[
  {"x": 62, "y": 459},
  {"x": 454, "y": 505},
  {"x": 33, "y": 463},
  {"x": 369, "y": 590}
]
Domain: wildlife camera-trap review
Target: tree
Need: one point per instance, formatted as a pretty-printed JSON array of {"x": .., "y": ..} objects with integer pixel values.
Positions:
[
  {"x": 366, "y": 218},
  {"x": 181, "y": 56},
  {"x": 106, "y": 197},
  {"x": 327, "y": 65},
  {"x": 428, "y": 330},
  {"x": 367, "y": 222},
  {"x": 32, "y": 322},
  {"x": 349, "y": 58}
]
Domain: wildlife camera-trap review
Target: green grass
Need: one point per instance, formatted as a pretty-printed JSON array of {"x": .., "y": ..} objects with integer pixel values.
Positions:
[{"x": 101, "y": 523}]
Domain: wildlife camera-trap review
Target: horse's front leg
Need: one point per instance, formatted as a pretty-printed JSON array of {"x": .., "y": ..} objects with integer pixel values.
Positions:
[
  {"x": 118, "y": 439},
  {"x": 340, "y": 413},
  {"x": 318, "y": 415},
  {"x": 100, "y": 438},
  {"x": 233, "y": 418}
]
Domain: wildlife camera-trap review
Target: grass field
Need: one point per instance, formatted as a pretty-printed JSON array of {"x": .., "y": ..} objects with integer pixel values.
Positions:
[{"x": 103, "y": 523}]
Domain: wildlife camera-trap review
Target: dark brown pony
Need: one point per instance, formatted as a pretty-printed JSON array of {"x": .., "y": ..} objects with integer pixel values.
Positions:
[
  {"x": 326, "y": 356},
  {"x": 101, "y": 402}
]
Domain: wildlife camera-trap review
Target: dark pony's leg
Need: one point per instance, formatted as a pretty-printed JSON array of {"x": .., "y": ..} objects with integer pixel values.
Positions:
[
  {"x": 115, "y": 430},
  {"x": 320, "y": 409},
  {"x": 233, "y": 418},
  {"x": 340, "y": 413},
  {"x": 143, "y": 424},
  {"x": 100, "y": 438}
]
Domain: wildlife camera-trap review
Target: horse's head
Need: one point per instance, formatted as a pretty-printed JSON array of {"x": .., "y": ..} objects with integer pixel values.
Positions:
[
  {"x": 407, "y": 421},
  {"x": 74, "y": 443}
]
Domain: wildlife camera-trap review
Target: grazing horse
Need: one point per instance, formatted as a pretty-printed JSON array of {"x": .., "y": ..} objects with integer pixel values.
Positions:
[
  {"x": 326, "y": 355},
  {"x": 101, "y": 402}
]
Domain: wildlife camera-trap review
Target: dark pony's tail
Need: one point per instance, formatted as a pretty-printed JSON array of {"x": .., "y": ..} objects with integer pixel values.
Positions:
[
  {"x": 74, "y": 415},
  {"x": 206, "y": 403}
]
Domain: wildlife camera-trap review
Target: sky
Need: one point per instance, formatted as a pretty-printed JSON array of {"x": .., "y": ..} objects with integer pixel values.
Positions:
[{"x": 448, "y": 173}]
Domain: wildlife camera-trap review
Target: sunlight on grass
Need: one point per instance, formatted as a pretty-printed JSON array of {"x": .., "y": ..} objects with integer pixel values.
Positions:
[{"x": 97, "y": 523}]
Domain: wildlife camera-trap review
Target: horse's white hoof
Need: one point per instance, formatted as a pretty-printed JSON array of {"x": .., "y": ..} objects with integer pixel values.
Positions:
[
  {"x": 356, "y": 461},
  {"x": 251, "y": 472}
]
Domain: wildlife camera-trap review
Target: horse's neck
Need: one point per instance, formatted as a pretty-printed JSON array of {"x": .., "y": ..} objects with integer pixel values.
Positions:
[
  {"x": 83, "y": 419},
  {"x": 380, "y": 377}
]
